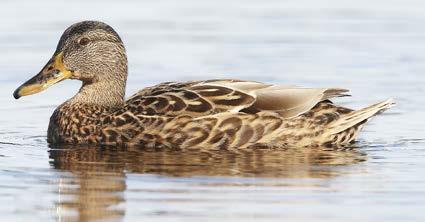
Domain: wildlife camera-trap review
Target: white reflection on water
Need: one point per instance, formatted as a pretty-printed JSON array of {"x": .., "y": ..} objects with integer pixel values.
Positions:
[{"x": 375, "y": 48}]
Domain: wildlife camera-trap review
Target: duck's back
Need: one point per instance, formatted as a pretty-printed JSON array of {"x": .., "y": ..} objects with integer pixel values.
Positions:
[{"x": 234, "y": 114}]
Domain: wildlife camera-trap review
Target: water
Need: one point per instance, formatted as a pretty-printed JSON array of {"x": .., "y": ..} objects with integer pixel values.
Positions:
[{"x": 375, "y": 48}]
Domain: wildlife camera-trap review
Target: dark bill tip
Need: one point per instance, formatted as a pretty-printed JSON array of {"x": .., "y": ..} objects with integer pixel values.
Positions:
[{"x": 16, "y": 93}]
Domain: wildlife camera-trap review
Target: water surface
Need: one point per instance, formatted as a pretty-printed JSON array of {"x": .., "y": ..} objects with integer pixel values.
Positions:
[{"x": 374, "y": 48}]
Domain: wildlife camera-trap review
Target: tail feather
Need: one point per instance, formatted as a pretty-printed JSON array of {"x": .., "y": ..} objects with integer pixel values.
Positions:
[{"x": 352, "y": 119}]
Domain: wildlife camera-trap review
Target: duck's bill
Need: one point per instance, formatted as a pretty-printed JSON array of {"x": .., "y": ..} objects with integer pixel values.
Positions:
[{"x": 53, "y": 72}]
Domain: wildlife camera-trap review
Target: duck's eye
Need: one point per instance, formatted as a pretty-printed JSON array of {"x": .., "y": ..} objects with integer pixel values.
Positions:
[{"x": 83, "y": 41}]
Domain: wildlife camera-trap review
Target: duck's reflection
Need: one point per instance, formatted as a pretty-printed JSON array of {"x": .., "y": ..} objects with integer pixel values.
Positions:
[{"x": 95, "y": 188}]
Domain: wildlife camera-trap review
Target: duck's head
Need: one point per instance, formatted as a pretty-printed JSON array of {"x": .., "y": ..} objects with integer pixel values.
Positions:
[{"x": 89, "y": 51}]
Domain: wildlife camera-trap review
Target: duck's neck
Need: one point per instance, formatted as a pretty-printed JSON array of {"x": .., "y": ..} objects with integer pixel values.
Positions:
[{"x": 103, "y": 93}]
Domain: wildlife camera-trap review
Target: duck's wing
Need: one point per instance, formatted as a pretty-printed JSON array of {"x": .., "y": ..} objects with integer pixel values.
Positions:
[{"x": 217, "y": 96}]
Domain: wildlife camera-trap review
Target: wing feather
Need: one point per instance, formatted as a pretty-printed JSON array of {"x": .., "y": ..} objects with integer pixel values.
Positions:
[{"x": 217, "y": 96}]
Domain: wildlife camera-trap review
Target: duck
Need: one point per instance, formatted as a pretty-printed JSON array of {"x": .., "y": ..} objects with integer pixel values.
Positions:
[{"x": 206, "y": 114}]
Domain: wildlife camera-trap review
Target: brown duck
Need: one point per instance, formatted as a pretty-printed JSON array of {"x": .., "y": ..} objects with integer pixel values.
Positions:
[{"x": 212, "y": 114}]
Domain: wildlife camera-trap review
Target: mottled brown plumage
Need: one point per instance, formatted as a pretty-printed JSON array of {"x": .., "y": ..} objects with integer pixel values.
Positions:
[{"x": 213, "y": 114}]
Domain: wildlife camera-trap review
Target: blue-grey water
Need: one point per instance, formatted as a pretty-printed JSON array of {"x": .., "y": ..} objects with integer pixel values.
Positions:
[{"x": 376, "y": 48}]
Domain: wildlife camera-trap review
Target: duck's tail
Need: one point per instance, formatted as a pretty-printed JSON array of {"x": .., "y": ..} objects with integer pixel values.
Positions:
[{"x": 352, "y": 122}]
